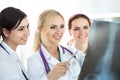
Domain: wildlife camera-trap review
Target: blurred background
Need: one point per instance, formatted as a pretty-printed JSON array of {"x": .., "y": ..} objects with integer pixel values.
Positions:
[{"x": 95, "y": 9}]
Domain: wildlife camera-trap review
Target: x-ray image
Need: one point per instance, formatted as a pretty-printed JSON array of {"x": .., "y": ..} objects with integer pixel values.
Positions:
[{"x": 102, "y": 61}]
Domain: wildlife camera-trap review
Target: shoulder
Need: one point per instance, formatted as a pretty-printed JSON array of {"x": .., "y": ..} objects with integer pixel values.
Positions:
[
  {"x": 3, "y": 53},
  {"x": 34, "y": 58},
  {"x": 35, "y": 55}
]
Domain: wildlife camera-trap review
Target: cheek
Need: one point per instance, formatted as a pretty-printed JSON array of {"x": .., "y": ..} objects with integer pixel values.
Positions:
[
  {"x": 87, "y": 31},
  {"x": 14, "y": 34},
  {"x": 48, "y": 35},
  {"x": 74, "y": 34},
  {"x": 63, "y": 31},
  {"x": 49, "y": 32}
]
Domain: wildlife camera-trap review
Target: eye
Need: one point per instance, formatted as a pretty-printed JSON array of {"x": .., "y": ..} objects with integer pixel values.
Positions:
[
  {"x": 28, "y": 26},
  {"x": 62, "y": 26},
  {"x": 21, "y": 28},
  {"x": 52, "y": 27},
  {"x": 76, "y": 28},
  {"x": 85, "y": 27}
]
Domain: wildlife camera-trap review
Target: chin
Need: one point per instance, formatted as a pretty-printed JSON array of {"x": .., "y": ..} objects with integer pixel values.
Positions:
[
  {"x": 23, "y": 43},
  {"x": 82, "y": 42}
]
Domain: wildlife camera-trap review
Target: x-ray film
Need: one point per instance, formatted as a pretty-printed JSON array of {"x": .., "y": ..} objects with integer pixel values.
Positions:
[{"x": 102, "y": 61}]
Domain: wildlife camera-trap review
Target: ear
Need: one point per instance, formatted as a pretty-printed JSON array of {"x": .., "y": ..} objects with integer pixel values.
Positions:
[
  {"x": 39, "y": 29},
  {"x": 5, "y": 32}
]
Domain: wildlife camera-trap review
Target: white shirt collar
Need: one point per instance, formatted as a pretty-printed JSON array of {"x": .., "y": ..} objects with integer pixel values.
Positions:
[{"x": 9, "y": 49}]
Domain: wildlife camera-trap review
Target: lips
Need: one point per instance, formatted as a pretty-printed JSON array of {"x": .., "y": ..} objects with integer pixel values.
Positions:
[
  {"x": 82, "y": 37},
  {"x": 57, "y": 37},
  {"x": 25, "y": 39}
]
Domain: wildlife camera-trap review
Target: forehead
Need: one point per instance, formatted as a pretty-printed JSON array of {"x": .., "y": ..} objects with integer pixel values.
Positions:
[
  {"x": 24, "y": 21},
  {"x": 57, "y": 20},
  {"x": 80, "y": 21}
]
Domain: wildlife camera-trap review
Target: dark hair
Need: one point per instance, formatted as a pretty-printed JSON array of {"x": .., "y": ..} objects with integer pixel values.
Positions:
[
  {"x": 10, "y": 18},
  {"x": 76, "y": 16}
]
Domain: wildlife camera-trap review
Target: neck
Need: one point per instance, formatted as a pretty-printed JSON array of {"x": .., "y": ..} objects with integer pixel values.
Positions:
[
  {"x": 82, "y": 47},
  {"x": 11, "y": 45},
  {"x": 53, "y": 50}
]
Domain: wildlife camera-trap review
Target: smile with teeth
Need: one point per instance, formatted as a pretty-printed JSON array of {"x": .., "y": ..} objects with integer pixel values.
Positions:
[
  {"x": 82, "y": 37},
  {"x": 57, "y": 37},
  {"x": 25, "y": 39}
]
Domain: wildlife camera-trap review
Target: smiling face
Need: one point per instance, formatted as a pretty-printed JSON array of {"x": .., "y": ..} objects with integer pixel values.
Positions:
[
  {"x": 80, "y": 30},
  {"x": 56, "y": 30},
  {"x": 17, "y": 36}
]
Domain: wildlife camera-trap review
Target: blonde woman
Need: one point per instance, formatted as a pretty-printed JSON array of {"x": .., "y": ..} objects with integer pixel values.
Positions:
[{"x": 50, "y": 60}]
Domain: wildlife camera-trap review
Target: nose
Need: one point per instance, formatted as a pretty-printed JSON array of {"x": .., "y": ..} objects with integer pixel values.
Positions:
[
  {"x": 81, "y": 31},
  {"x": 58, "y": 30},
  {"x": 27, "y": 32}
]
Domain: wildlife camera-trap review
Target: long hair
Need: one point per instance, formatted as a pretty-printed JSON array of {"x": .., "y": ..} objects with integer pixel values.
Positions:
[
  {"x": 10, "y": 18},
  {"x": 44, "y": 21}
]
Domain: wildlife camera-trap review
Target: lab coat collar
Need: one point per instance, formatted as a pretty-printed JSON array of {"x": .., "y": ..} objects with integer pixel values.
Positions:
[
  {"x": 48, "y": 56},
  {"x": 72, "y": 46},
  {"x": 9, "y": 49}
]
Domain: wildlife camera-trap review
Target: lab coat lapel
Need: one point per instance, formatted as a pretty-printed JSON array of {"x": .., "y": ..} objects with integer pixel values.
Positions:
[{"x": 50, "y": 59}]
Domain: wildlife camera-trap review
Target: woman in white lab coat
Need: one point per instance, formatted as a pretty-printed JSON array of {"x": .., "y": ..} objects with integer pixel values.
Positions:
[
  {"x": 14, "y": 31},
  {"x": 51, "y": 61},
  {"x": 79, "y": 27}
]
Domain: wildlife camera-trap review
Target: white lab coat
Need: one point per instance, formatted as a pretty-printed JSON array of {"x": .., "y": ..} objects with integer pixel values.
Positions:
[
  {"x": 10, "y": 66},
  {"x": 80, "y": 55},
  {"x": 36, "y": 69}
]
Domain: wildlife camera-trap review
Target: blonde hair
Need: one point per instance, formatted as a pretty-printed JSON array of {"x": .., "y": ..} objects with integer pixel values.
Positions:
[{"x": 44, "y": 21}]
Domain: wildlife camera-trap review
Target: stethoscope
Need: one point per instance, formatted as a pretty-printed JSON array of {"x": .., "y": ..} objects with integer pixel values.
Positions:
[
  {"x": 47, "y": 68},
  {"x": 9, "y": 54}
]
